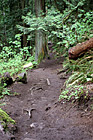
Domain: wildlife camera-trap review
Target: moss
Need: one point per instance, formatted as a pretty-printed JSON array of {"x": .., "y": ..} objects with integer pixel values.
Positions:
[
  {"x": 5, "y": 119},
  {"x": 41, "y": 56}
]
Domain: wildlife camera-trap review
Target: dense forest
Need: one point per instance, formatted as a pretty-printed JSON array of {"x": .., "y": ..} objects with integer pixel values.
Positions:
[{"x": 29, "y": 27}]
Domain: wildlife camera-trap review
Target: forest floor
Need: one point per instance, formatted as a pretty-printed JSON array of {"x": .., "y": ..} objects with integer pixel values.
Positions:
[{"x": 38, "y": 113}]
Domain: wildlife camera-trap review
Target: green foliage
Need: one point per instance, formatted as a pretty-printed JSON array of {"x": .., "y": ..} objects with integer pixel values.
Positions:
[
  {"x": 82, "y": 69},
  {"x": 12, "y": 59},
  {"x": 74, "y": 92},
  {"x": 63, "y": 29},
  {"x": 5, "y": 119},
  {"x": 60, "y": 16},
  {"x": 10, "y": 15},
  {"x": 13, "y": 66},
  {"x": 82, "y": 72},
  {"x": 4, "y": 91}
]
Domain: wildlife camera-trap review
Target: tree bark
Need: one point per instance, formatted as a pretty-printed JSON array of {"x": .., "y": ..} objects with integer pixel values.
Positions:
[
  {"x": 80, "y": 49},
  {"x": 40, "y": 37},
  {"x": 24, "y": 36}
]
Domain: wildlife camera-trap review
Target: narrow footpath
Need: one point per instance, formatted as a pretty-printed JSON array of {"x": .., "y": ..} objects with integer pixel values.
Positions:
[{"x": 38, "y": 113}]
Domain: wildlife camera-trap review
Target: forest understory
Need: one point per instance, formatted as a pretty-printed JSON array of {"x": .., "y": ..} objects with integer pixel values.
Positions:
[
  {"x": 46, "y": 70},
  {"x": 38, "y": 113}
]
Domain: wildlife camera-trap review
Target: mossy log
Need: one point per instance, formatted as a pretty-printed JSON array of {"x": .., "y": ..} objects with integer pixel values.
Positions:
[{"x": 80, "y": 49}]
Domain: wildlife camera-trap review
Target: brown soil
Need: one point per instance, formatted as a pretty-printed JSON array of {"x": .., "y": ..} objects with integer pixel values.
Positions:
[{"x": 39, "y": 115}]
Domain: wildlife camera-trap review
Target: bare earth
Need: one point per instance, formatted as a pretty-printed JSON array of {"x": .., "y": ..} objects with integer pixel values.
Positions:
[{"x": 38, "y": 113}]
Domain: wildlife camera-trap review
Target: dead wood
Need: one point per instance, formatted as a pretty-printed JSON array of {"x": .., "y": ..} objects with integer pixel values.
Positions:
[
  {"x": 48, "y": 82},
  {"x": 29, "y": 111},
  {"x": 80, "y": 49}
]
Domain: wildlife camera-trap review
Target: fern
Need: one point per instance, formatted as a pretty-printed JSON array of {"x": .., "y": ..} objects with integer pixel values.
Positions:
[
  {"x": 82, "y": 72},
  {"x": 74, "y": 93}
]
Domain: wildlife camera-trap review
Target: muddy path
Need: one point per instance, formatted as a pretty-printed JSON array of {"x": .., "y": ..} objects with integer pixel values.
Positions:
[{"x": 39, "y": 115}]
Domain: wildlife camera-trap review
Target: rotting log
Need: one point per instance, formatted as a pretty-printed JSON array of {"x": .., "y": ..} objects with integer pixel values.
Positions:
[{"x": 80, "y": 49}]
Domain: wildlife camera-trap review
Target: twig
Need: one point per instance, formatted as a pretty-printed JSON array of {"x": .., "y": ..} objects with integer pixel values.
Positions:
[
  {"x": 29, "y": 111},
  {"x": 48, "y": 82}
]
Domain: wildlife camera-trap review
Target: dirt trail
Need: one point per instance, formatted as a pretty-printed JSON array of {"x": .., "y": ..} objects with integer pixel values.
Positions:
[{"x": 38, "y": 113}]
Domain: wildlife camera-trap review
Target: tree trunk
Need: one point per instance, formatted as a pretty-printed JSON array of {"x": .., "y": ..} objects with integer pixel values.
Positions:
[
  {"x": 40, "y": 37},
  {"x": 24, "y": 36}
]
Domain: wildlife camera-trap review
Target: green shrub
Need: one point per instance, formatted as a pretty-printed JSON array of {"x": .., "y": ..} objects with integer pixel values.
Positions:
[
  {"x": 73, "y": 93},
  {"x": 82, "y": 72}
]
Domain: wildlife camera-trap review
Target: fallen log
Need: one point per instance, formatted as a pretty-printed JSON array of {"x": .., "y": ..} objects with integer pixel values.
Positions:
[{"x": 80, "y": 49}]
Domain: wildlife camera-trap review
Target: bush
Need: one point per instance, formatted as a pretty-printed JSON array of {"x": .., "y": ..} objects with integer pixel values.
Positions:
[{"x": 82, "y": 72}]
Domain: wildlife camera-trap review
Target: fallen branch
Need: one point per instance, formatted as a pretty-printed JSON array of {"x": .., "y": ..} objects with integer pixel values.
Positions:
[
  {"x": 29, "y": 111},
  {"x": 48, "y": 82}
]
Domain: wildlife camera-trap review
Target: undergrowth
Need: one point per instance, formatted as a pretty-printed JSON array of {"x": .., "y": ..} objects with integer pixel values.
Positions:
[
  {"x": 82, "y": 73},
  {"x": 73, "y": 93},
  {"x": 12, "y": 61},
  {"x": 13, "y": 66}
]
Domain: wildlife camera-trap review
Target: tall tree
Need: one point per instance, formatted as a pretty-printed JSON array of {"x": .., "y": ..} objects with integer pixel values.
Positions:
[
  {"x": 40, "y": 37},
  {"x": 24, "y": 36}
]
